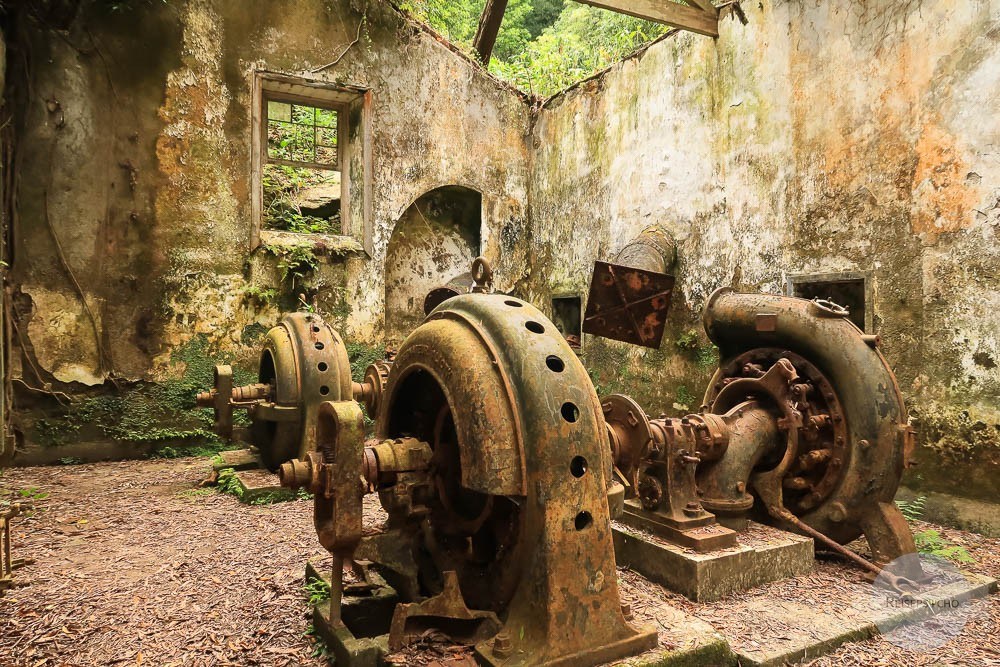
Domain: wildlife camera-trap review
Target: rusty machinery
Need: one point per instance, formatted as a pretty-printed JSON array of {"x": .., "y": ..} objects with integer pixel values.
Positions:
[
  {"x": 803, "y": 426},
  {"x": 303, "y": 363},
  {"x": 491, "y": 462}
]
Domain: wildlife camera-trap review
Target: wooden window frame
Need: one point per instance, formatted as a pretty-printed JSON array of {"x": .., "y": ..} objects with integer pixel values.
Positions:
[{"x": 277, "y": 87}]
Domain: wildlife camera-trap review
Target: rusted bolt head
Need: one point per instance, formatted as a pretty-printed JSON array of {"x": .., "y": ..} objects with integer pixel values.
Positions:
[
  {"x": 502, "y": 644},
  {"x": 741, "y": 487},
  {"x": 837, "y": 512},
  {"x": 627, "y": 611}
]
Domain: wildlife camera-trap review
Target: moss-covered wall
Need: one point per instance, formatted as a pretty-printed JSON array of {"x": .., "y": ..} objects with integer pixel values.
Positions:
[
  {"x": 133, "y": 230},
  {"x": 822, "y": 137}
]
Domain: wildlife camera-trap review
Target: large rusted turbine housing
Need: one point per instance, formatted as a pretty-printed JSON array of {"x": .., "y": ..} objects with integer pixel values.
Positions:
[
  {"x": 520, "y": 478},
  {"x": 843, "y": 485}
]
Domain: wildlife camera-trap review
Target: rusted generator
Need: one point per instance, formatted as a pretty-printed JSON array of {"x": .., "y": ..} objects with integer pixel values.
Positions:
[
  {"x": 500, "y": 470},
  {"x": 303, "y": 363}
]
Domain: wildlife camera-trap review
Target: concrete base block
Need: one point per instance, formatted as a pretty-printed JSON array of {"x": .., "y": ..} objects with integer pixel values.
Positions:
[
  {"x": 238, "y": 459},
  {"x": 262, "y": 486},
  {"x": 763, "y": 554},
  {"x": 685, "y": 641},
  {"x": 362, "y": 639}
]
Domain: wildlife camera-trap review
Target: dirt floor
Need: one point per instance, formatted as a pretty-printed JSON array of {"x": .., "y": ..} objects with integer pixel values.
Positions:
[{"x": 135, "y": 565}]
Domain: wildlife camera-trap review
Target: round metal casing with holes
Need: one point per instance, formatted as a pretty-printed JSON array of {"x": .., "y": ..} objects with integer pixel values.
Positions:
[
  {"x": 521, "y": 462},
  {"x": 305, "y": 361}
]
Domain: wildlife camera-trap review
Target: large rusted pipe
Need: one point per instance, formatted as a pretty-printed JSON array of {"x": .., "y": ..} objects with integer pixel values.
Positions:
[
  {"x": 654, "y": 249},
  {"x": 753, "y": 434}
]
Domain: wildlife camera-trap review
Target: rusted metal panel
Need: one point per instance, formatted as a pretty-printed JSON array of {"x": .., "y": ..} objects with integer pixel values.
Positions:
[{"x": 628, "y": 304}]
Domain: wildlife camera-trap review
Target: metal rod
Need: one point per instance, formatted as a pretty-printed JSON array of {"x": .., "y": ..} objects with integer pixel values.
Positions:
[{"x": 336, "y": 589}]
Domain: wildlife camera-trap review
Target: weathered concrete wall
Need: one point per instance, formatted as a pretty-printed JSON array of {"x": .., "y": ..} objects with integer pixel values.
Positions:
[
  {"x": 134, "y": 209},
  {"x": 823, "y": 137}
]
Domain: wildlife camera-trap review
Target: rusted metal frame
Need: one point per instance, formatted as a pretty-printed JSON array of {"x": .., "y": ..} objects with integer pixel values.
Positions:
[
  {"x": 664, "y": 11},
  {"x": 489, "y": 28}
]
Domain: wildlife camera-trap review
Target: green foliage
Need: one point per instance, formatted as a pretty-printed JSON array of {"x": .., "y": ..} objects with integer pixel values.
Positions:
[
  {"x": 912, "y": 510},
  {"x": 316, "y": 591},
  {"x": 151, "y": 412},
  {"x": 361, "y": 357},
  {"x": 70, "y": 460},
  {"x": 282, "y": 185},
  {"x": 707, "y": 357},
  {"x": 684, "y": 396},
  {"x": 296, "y": 262},
  {"x": 228, "y": 483},
  {"x": 32, "y": 493},
  {"x": 931, "y": 542},
  {"x": 260, "y": 296},
  {"x": 196, "y": 493},
  {"x": 544, "y": 45},
  {"x": 689, "y": 341}
]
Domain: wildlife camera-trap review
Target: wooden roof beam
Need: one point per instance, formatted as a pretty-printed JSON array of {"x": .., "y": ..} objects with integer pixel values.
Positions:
[
  {"x": 489, "y": 28},
  {"x": 665, "y": 11}
]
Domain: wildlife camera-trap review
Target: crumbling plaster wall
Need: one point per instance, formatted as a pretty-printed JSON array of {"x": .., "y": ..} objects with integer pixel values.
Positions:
[
  {"x": 825, "y": 136},
  {"x": 134, "y": 206}
]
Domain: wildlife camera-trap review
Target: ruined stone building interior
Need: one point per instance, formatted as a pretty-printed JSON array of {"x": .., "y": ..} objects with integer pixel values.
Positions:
[{"x": 334, "y": 333}]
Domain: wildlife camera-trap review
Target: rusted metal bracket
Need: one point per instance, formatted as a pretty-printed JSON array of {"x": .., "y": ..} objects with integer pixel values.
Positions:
[
  {"x": 447, "y": 609},
  {"x": 628, "y": 304}
]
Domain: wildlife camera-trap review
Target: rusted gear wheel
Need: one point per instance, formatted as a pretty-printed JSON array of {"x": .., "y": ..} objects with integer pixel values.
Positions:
[{"x": 823, "y": 450}]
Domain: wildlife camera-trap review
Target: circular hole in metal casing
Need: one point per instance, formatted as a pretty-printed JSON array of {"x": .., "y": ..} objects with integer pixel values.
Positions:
[
  {"x": 582, "y": 520},
  {"x": 322, "y": 366},
  {"x": 578, "y": 466},
  {"x": 319, "y": 346},
  {"x": 554, "y": 363},
  {"x": 324, "y": 390},
  {"x": 534, "y": 327},
  {"x": 570, "y": 412},
  {"x": 515, "y": 304}
]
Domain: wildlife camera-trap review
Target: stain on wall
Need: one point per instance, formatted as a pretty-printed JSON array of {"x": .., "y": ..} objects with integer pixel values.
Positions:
[{"x": 134, "y": 217}]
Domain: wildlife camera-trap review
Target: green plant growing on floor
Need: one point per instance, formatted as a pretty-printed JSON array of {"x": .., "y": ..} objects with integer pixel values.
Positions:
[
  {"x": 316, "y": 591},
  {"x": 70, "y": 460},
  {"x": 912, "y": 510},
  {"x": 228, "y": 483},
  {"x": 196, "y": 493},
  {"x": 931, "y": 542},
  {"x": 32, "y": 493}
]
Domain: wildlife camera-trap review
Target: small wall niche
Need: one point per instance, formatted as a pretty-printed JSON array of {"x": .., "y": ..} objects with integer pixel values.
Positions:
[
  {"x": 567, "y": 316},
  {"x": 850, "y": 290}
]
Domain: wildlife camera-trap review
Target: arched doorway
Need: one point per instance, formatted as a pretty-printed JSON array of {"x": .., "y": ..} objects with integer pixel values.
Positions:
[{"x": 435, "y": 239}]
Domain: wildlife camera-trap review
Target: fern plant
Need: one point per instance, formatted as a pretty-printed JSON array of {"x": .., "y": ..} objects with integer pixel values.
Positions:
[{"x": 912, "y": 510}]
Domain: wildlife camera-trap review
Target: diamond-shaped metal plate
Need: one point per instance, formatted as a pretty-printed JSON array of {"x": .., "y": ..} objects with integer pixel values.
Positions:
[{"x": 628, "y": 304}]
